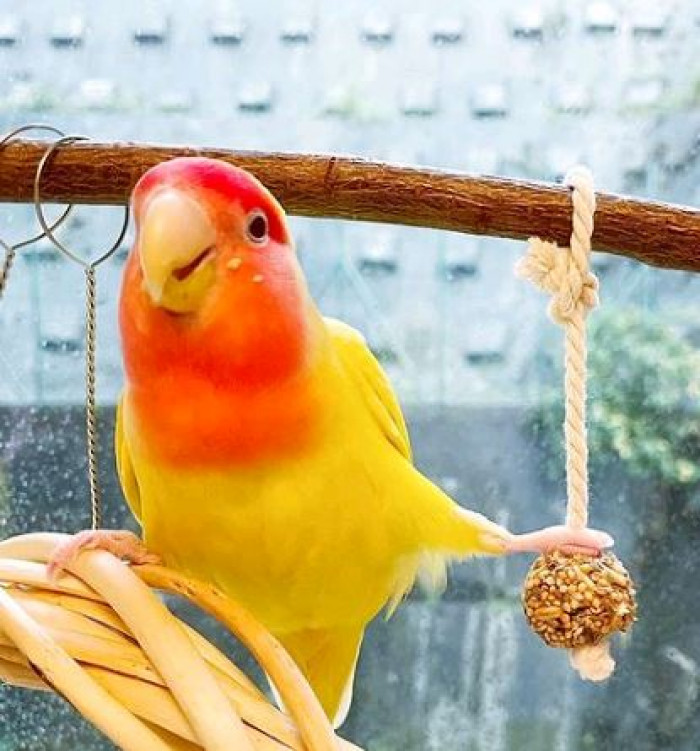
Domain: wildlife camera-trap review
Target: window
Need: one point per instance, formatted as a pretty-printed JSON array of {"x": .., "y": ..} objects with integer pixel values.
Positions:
[
  {"x": 68, "y": 32},
  {"x": 419, "y": 100},
  {"x": 9, "y": 31},
  {"x": 227, "y": 30},
  {"x": 528, "y": 23},
  {"x": 377, "y": 29},
  {"x": 601, "y": 18},
  {"x": 152, "y": 29},
  {"x": 490, "y": 100},
  {"x": 448, "y": 30},
  {"x": 298, "y": 30},
  {"x": 255, "y": 97},
  {"x": 379, "y": 256}
]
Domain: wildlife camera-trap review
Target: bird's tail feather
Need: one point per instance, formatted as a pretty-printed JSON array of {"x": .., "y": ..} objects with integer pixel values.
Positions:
[{"x": 327, "y": 657}]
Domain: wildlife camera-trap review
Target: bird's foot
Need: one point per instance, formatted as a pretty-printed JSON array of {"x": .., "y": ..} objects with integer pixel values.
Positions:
[
  {"x": 121, "y": 543},
  {"x": 587, "y": 541}
]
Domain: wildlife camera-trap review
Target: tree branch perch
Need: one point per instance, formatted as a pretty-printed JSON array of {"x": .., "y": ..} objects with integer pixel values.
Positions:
[{"x": 654, "y": 233}]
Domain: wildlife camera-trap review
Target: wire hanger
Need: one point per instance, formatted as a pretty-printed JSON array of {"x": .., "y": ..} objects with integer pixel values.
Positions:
[
  {"x": 90, "y": 270},
  {"x": 10, "y": 250}
]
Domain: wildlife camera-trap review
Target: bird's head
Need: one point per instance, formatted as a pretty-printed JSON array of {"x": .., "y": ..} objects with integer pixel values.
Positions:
[{"x": 213, "y": 275}]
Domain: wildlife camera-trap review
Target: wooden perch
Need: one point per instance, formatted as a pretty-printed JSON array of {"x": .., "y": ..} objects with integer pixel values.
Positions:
[{"x": 347, "y": 188}]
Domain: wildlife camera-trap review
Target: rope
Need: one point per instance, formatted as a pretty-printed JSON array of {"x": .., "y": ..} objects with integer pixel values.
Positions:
[
  {"x": 565, "y": 274},
  {"x": 90, "y": 395}
]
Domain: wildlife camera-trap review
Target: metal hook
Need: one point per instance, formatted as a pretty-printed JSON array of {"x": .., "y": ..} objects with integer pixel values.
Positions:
[
  {"x": 6, "y": 265},
  {"x": 48, "y": 231},
  {"x": 3, "y": 142},
  {"x": 10, "y": 251},
  {"x": 30, "y": 126}
]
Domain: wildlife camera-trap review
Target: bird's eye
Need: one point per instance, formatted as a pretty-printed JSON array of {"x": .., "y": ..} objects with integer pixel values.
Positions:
[{"x": 256, "y": 227}]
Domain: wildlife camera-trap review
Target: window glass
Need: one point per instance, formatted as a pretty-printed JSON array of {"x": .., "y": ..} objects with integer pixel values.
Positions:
[{"x": 520, "y": 89}]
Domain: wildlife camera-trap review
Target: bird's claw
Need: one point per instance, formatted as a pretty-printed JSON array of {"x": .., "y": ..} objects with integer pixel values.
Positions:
[
  {"x": 121, "y": 543},
  {"x": 586, "y": 541}
]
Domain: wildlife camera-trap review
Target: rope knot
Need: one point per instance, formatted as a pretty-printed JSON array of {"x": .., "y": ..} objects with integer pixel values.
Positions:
[
  {"x": 565, "y": 272},
  {"x": 555, "y": 270}
]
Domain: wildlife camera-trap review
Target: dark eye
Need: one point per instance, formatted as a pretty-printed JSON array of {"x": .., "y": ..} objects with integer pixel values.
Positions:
[{"x": 256, "y": 227}]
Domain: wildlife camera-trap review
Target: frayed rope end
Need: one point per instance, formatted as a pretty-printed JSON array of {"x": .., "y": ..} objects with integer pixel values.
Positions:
[{"x": 593, "y": 663}]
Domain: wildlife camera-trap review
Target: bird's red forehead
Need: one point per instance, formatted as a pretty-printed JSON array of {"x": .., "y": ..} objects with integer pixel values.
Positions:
[{"x": 216, "y": 181}]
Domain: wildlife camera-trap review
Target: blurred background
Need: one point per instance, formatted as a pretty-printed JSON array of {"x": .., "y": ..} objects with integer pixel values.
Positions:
[{"x": 509, "y": 88}]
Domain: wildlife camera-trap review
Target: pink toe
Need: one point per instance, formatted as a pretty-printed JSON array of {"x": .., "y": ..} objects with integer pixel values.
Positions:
[
  {"x": 58, "y": 562},
  {"x": 586, "y": 541}
]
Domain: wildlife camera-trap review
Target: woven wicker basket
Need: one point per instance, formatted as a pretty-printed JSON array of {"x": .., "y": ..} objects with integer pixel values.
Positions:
[{"x": 101, "y": 637}]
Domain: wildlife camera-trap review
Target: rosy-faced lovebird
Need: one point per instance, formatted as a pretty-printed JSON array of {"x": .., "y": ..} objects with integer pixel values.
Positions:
[{"x": 259, "y": 444}]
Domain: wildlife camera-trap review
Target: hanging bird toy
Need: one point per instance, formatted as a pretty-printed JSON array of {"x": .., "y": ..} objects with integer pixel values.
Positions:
[{"x": 572, "y": 599}]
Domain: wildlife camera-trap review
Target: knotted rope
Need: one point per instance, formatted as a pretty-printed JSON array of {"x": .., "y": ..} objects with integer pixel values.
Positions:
[{"x": 565, "y": 273}]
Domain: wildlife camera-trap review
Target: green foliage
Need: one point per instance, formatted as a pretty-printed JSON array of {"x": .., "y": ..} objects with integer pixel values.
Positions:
[{"x": 644, "y": 402}]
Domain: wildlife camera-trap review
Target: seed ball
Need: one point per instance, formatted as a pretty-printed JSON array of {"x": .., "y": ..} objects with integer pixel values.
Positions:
[{"x": 576, "y": 600}]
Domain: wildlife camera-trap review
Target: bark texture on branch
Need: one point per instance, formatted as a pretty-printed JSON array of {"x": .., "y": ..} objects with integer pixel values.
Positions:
[{"x": 347, "y": 188}]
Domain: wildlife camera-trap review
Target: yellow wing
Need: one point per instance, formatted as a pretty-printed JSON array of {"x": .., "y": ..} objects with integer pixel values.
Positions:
[
  {"x": 125, "y": 468},
  {"x": 444, "y": 530},
  {"x": 369, "y": 377},
  {"x": 379, "y": 397}
]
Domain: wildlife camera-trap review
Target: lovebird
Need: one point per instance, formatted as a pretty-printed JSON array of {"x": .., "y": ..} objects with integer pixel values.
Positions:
[{"x": 259, "y": 444}]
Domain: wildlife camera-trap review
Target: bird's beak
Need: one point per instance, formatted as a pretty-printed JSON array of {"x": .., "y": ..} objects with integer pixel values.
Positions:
[{"x": 176, "y": 247}]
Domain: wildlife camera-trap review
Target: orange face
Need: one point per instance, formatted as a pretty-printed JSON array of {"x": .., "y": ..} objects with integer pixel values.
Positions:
[{"x": 214, "y": 307}]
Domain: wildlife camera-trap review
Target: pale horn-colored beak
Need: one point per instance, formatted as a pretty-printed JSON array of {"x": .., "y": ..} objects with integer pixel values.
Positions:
[{"x": 174, "y": 233}]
